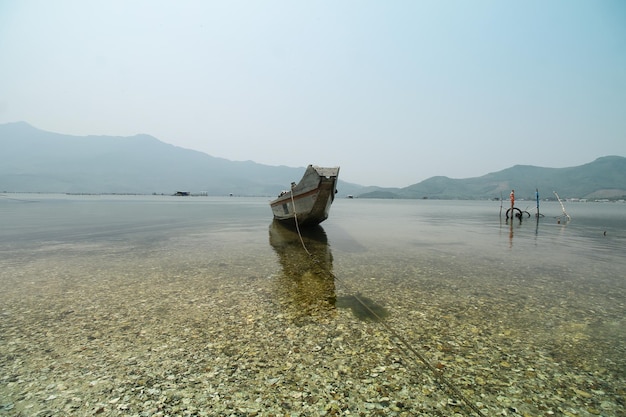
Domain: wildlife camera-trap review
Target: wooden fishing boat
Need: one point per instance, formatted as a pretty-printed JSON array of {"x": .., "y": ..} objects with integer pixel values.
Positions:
[{"x": 307, "y": 202}]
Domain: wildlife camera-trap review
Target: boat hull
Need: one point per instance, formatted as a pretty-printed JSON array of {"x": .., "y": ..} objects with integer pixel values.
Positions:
[{"x": 309, "y": 201}]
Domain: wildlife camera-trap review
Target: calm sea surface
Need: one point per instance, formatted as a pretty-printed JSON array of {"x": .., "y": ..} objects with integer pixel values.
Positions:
[{"x": 201, "y": 305}]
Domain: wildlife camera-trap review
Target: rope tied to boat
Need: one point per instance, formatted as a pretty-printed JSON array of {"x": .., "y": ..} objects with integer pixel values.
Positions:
[
  {"x": 295, "y": 218},
  {"x": 421, "y": 358},
  {"x": 417, "y": 356}
]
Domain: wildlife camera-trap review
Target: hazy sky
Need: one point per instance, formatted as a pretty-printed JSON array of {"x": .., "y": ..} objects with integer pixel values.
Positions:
[{"x": 393, "y": 91}]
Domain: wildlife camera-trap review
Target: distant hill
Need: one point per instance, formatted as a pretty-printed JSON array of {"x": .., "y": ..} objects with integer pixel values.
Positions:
[
  {"x": 603, "y": 178},
  {"x": 34, "y": 160}
]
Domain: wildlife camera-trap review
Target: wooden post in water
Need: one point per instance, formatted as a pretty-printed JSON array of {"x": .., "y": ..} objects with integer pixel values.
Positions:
[
  {"x": 512, "y": 203},
  {"x": 562, "y": 207}
]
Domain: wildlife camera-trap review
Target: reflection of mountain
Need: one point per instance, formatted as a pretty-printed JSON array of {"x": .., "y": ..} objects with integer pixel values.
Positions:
[{"x": 306, "y": 284}]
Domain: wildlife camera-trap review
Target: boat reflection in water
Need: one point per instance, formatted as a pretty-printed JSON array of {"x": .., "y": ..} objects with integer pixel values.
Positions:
[{"x": 306, "y": 284}]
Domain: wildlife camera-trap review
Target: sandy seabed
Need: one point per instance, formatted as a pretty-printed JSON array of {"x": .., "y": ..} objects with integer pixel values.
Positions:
[{"x": 104, "y": 329}]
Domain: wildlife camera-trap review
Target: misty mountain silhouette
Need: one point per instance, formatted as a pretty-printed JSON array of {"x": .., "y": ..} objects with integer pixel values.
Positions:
[{"x": 35, "y": 160}]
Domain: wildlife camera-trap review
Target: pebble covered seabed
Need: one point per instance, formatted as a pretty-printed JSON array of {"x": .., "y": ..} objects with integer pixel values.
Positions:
[{"x": 205, "y": 326}]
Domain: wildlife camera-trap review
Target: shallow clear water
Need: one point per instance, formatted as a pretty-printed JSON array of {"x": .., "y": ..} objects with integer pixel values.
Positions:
[{"x": 191, "y": 305}]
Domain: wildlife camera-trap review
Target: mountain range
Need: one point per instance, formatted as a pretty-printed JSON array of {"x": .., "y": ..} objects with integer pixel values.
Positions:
[
  {"x": 35, "y": 160},
  {"x": 604, "y": 178}
]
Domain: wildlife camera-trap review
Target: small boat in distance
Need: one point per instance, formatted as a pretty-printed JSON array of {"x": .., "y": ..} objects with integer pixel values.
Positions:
[{"x": 307, "y": 202}]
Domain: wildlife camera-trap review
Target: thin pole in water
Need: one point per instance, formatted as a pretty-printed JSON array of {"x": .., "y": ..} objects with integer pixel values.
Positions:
[
  {"x": 537, "y": 197},
  {"x": 562, "y": 206}
]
